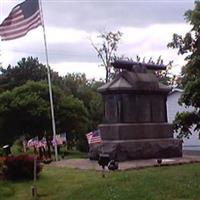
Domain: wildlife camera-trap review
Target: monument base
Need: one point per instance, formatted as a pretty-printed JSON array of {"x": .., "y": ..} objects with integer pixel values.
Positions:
[
  {"x": 133, "y": 131},
  {"x": 122, "y": 150}
]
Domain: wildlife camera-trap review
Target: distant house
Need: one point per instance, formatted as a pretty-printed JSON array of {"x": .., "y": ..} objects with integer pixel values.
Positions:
[{"x": 193, "y": 143}]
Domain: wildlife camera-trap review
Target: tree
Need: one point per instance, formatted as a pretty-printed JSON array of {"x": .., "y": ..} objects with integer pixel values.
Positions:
[
  {"x": 25, "y": 110},
  {"x": 77, "y": 105},
  {"x": 189, "y": 45},
  {"x": 164, "y": 76},
  {"x": 26, "y": 69},
  {"x": 85, "y": 90},
  {"x": 106, "y": 51}
]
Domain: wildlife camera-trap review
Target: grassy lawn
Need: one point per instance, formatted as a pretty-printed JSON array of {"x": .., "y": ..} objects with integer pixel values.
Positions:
[
  {"x": 165, "y": 183},
  {"x": 75, "y": 154}
]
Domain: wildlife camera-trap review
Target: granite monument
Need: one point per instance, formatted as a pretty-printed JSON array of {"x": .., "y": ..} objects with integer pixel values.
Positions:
[{"x": 135, "y": 116}]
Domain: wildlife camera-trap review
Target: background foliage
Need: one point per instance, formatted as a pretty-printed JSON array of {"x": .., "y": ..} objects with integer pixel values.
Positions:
[
  {"x": 25, "y": 106},
  {"x": 190, "y": 46}
]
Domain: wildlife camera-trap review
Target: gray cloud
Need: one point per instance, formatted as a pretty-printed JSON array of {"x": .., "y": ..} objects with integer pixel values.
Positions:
[
  {"x": 100, "y": 15},
  {"x": 95, "y": 16},
  {"x": 80, "y": 52}
]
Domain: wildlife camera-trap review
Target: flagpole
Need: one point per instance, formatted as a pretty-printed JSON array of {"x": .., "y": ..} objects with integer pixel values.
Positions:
[{"x": 49, "y": 82}]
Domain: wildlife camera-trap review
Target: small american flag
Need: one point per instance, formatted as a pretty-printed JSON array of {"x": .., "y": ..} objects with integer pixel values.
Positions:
[
  {"x": 33, "y": 142},
  {"x": 63, "y": 137},
  {"x": 58, "y": 140},
  {"x": 93, "y": 137},
  {"x": 23, "y": 18},
  {"x": 42, "y": 143}
]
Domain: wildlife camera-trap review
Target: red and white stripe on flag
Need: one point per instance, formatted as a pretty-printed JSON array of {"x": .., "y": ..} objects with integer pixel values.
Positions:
[
  {"x": 89, "y": 137},
  {"x": 58, "y": 140},
  {"x": 93, "y": 137},
  {"x": 32, "y": 142},
  {"x": 23, "y": 18}
]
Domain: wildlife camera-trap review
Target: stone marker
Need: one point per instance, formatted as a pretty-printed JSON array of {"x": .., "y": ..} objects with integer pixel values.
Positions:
[{"x": 135, "y": 115}]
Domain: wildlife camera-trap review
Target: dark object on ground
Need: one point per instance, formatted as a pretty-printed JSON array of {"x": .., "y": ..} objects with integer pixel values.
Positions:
[
  {"x": 47, "y": 161},
  {"x": 113, "y": 165},
  {"x": 104, "y": 159},
  {"x": 6, "y": 150},
  {"x": 159, "y": 161}
]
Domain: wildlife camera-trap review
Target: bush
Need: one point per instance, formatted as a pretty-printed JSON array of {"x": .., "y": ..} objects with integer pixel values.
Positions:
[
  {"x": 20, "y": 167},
  {"x": 17, "y": 147}
]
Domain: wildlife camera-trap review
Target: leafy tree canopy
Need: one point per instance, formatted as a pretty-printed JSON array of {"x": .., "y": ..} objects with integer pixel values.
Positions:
[
  {"x": 26, "y": 69},
  {"x": 25, "y": 105},
  {"x": 25, "y": 110},
  {"x": 189, "y": 45},
  {"x": 86, "y": 90}
]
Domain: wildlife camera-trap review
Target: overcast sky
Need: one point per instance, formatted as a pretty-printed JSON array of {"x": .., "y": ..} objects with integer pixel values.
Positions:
[{"x": 147, "y": 27}]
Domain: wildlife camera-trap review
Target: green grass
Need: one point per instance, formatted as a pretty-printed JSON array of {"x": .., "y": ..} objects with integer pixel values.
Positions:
[
  {"x": 74, "y": 154},
  {"x": 69, "y": 154},
  {"x": 164, "y": 183}
]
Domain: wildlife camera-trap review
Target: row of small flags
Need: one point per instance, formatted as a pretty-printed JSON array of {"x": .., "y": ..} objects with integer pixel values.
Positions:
[
  {"x": 36, "y": 143},
  {"x": 93, "y": 137}
]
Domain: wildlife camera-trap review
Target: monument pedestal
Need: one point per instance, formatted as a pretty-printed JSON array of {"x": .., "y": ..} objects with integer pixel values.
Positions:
[
  {"x": 127, "y": 141},
  {"x": 122, "y": 150},
  {"x": 129, "y": 131},
  {"x": 135, "y": 115}
]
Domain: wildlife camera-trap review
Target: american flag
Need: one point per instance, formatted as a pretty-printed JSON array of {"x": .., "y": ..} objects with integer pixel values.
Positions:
[
  {"x": 93, "y": 137},
  {"x": 63, "y": 137},
  {"x": 23, "y": 18},
  {"x": 58, "y": 140},
  {"x": 42, "y": 143},
  {"x": 33, "y": 142}
]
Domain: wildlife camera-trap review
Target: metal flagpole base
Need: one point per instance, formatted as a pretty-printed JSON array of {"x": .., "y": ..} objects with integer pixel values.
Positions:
[
  {"x": 34, "y": 191},
  {"x": 34, "y": 188}
]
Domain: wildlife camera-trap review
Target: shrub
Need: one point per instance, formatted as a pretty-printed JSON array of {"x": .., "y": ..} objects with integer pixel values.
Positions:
[
  {"x": 17, "y": 147},
  {"x": 20, "y": 167}
]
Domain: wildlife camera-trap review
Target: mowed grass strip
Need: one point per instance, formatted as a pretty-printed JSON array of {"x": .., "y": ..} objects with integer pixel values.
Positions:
[{"x": 161, "y": 183}]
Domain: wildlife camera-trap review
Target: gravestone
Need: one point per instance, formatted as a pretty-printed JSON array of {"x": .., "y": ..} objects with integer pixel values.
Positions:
[{"x": 135, "y": 116}]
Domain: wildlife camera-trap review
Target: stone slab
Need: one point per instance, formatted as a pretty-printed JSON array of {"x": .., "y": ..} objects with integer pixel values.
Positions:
[
  {"x": 128, "y": 131},
  {"x": 122, "y": 150}
]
